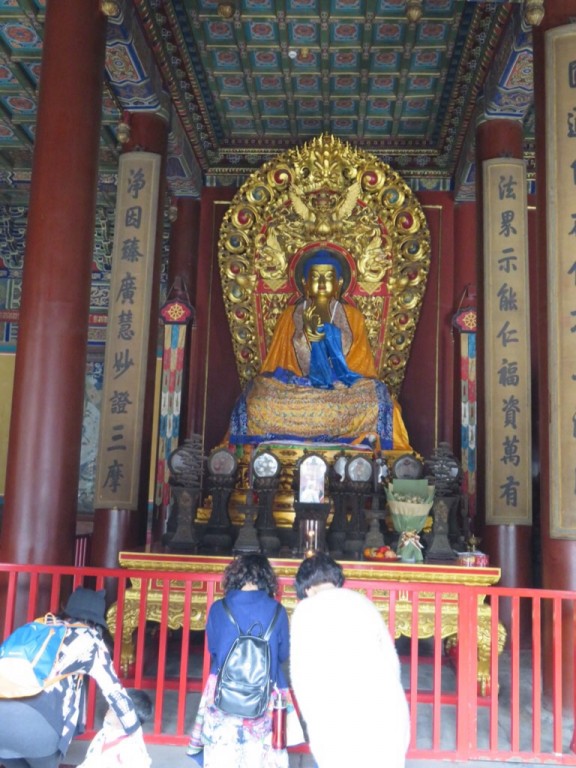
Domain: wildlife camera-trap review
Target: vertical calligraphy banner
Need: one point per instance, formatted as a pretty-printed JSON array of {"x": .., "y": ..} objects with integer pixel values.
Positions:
[
  {"x": 176, "y": 314},
  {"x": 507, "y": 344},
  {"x": 560, "y": 47},
  {"x": 125, "y": 360}
]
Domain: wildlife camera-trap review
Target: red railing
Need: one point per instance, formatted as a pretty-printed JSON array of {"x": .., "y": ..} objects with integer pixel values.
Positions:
[
  {"x": 82, "y": 549},
  {"x": 467, "y": 700}
]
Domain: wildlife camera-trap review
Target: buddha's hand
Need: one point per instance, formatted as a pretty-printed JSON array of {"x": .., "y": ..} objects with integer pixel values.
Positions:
[{"x": 312, "y": 325}]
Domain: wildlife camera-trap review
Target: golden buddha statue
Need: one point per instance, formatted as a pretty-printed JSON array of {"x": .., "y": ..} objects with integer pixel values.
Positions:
[{"x": 318, "y": 382}]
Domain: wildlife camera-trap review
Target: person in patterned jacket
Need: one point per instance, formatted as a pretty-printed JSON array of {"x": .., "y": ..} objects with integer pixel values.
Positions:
[{"x": 35, "y": 732}]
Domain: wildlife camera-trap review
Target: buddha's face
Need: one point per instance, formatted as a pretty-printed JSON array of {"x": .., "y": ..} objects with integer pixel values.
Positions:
[{"x": 322, "y": 282}]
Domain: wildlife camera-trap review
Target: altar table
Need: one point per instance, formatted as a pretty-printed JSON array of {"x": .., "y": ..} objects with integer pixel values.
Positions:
[{"x": 380, "y": 572}]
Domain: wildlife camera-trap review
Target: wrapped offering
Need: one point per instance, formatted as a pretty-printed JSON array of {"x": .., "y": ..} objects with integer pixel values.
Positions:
[{"x": 409, "y": 502}]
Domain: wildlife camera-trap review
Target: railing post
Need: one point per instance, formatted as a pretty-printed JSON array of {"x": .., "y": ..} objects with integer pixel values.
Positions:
[
  {"x": 467, "y": 679},
  {"x": 573, "y": 742}
]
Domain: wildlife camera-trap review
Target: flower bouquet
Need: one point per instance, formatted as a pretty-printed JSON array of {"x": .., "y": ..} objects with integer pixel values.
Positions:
[{"x": 409, "y": 502}]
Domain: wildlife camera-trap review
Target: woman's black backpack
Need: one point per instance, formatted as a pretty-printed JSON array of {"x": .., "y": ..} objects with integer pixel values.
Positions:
[{"x": 243, "y": 685}]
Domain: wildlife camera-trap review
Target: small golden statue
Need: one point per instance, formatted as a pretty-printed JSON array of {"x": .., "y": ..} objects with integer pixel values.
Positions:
[{"x": 473, "y": 543}]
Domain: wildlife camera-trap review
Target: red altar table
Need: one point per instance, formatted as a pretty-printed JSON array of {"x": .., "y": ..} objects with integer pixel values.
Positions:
[{"x": 377, "y": 572}]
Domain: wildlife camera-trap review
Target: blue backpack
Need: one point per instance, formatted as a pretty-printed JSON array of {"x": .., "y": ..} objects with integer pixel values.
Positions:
[{"x": 28, "y": 655}]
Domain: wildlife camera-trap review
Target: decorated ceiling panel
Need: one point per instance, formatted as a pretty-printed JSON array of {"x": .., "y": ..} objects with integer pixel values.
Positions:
[{"x": 240, "y": 81}]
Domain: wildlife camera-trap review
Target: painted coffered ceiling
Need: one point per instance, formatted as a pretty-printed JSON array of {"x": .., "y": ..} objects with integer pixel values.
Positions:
[{"x": 242, "y": 80}]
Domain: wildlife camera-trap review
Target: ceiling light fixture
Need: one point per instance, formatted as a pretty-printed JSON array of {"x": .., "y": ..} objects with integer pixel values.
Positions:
[
  {"x": 414, "y": 11},
  {"x": 533, "y": 12},
  {"x": 300, "y": 54},
  {"x": 110, "y": 8},
  {"x": 123, "y": 131},
  {"x": 226, "y": 10}
]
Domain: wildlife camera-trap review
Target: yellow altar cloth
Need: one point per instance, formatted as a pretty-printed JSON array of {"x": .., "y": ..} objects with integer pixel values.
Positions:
[{"x": 342, "y": 411}]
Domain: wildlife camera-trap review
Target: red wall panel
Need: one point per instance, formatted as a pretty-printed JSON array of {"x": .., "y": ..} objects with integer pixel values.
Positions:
[
  {"x": 428, "y": 390},
  {"x": 213, "y": 374}
]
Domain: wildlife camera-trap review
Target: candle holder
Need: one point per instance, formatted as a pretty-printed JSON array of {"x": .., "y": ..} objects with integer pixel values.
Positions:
[
  {"x": 440, "y": 548},
  {"x": 311, "y": 535},
  {"x": 310, "y": 523},
  {"x": 265, "y": 475},
  {"x": 247, "y": 540},
  {"x": 222, "y": 467},
  {"x": 374, "y": 537}
]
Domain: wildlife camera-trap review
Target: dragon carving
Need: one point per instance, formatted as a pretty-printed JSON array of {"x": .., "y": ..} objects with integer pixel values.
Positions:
[{"x": 325, "y": 216}]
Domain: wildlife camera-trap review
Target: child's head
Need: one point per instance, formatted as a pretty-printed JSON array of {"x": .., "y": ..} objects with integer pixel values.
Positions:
[{"x": 142, "y": 704}]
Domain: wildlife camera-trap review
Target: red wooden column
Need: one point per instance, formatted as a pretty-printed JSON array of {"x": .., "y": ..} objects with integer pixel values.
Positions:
[
  {"x": 558, "y": 555},
  {"x": 183, "y": 260},
  {"x": 509, "y": 546},
  {"x": 182, "y": 267},
  {"x": 183, "y": 263},
  {"x": 212, "y": 366},
  {"x": 118, "y": 529},
  {"x": 46, "y": 422}
]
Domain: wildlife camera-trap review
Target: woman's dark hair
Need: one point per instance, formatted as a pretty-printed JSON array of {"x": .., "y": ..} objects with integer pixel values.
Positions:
[
  {"x": 142, "y": 703},
  {"x": 250, "y": 569},
  {"x": 318, "y": 569}
]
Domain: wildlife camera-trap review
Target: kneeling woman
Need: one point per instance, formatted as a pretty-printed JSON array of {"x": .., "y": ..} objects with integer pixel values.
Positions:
[{"x": 249, "y": 585}]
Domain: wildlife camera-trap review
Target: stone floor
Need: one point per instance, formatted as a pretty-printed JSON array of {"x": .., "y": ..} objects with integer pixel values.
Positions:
[{"x": 175, "y": 757}]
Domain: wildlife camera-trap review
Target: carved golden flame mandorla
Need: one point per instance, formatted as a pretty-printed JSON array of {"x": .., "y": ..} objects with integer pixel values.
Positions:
[{"x": 325, "y": 194}]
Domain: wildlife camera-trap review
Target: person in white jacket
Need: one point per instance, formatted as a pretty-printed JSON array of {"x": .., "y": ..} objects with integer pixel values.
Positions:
[{"x": 345, "y": 673}]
